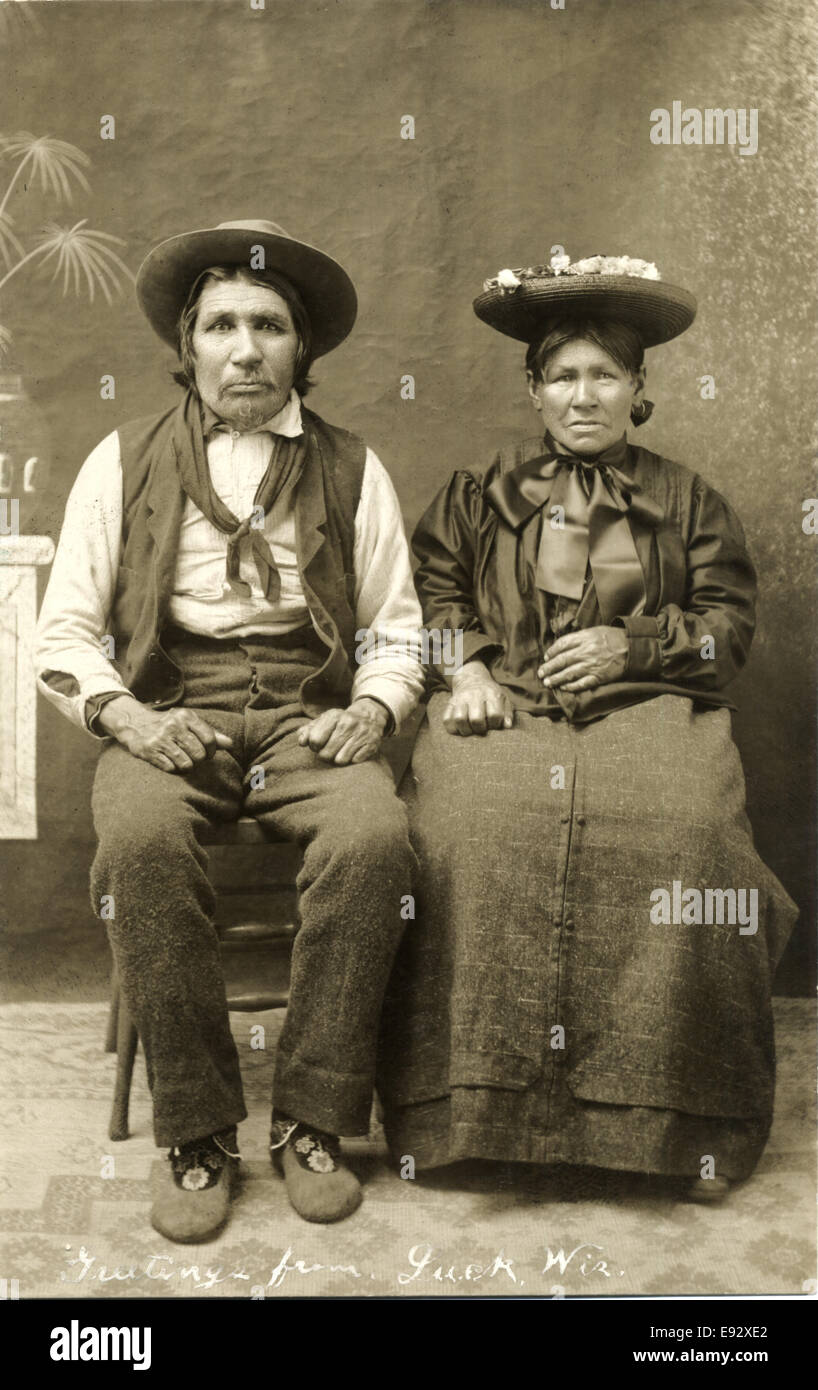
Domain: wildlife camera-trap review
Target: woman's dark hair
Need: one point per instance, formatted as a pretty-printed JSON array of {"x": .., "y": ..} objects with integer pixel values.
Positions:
[
  {"x": 271, "y": 280},
  {"x": 619, "y": 340}
]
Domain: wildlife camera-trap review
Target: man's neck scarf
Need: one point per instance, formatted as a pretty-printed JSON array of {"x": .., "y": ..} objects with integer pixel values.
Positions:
[
  {"x": 587, "y": 522},
  {"x": 282, "y": 474}
]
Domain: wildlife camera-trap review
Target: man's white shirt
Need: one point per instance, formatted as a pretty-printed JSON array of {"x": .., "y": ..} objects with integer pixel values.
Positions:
[{"x": 76, "y": 609}]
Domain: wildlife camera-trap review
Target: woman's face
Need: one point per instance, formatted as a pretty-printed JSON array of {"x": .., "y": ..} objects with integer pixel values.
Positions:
[{"x": 585, "y": 397}]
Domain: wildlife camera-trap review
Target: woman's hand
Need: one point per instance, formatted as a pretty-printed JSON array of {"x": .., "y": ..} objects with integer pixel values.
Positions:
[
  {"x": 478, "y": 703},
  {"x": 586, "y": 659}
]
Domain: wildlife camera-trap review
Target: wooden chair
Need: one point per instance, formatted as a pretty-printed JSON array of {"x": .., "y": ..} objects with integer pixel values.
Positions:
[{"x": 254, "y": 878}]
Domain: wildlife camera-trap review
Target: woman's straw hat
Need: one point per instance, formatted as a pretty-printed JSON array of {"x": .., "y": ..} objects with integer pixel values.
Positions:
[{"x": 521, "y": 303}]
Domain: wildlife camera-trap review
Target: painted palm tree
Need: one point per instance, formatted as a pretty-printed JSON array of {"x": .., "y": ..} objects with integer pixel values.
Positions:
[{"x": 82, "y": 258}]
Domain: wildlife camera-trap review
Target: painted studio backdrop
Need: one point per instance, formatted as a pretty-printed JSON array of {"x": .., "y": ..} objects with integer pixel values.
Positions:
[{"x": 530, "y": 129}]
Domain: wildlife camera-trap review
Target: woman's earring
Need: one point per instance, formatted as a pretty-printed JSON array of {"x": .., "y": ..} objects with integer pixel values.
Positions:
[{"x": 641, "y": 412}]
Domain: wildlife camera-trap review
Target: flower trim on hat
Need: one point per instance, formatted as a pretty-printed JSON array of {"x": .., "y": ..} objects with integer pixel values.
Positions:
[{"x": 509, "y": 281}]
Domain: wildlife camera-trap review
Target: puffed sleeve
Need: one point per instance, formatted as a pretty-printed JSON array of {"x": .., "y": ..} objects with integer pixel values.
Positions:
[
  {"x": 445, "y": 543},
  {"x": 704, "y": 642}
]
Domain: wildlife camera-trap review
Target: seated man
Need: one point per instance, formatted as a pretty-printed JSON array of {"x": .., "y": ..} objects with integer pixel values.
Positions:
[{"x": 215, "y": 565}]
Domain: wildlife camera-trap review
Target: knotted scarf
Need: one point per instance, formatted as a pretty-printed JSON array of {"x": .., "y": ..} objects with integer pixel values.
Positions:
[
  {"x": 283, "y": 471},
  {"x": 595, "y": 499}
]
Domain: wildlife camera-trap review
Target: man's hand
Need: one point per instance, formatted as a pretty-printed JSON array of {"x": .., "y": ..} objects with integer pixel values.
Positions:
[
  {"x": 350, "y": 735},
  {"x": 172, "y": 740},
  {"x": 478, "y": 703},
  {"x": 586, "y": 659}
]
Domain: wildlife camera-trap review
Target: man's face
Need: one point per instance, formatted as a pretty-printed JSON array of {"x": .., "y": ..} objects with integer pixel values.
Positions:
[
  {"x": 244, "y": 348},
  {"x": 585, "y": 397}
]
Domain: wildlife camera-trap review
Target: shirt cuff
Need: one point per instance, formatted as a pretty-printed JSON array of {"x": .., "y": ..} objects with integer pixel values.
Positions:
[
  {"x": 69, "y": 691},
  {"x": 397, "y": 692},
  {"x": 94, "y": 705},
  {"x": 644, "y": 649}
]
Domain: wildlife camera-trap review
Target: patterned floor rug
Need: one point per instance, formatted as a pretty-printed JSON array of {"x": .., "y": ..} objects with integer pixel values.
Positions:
[{"x": 73, "y": 1206}]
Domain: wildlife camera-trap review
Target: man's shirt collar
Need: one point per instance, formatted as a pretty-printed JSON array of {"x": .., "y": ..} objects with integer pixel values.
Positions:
[{"x": 286, "y": 421}]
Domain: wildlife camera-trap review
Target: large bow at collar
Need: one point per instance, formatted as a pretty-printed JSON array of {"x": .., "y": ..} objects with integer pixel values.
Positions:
[{"x": 591, "y": 504}]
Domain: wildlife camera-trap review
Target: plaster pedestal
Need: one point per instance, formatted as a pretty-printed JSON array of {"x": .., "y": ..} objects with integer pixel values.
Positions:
[{"x": 19, "y": 558}]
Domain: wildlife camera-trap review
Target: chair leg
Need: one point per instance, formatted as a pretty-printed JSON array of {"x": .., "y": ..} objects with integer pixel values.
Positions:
[
  {"x": 113, "y": 1014},
  {"x": 126, "y": 1044}
]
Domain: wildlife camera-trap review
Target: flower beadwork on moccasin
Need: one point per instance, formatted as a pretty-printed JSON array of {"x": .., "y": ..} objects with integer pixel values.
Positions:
[
  {"x": 198, "y": 1165},
  {"x": 314, "y": 1150},
  {"x": 193, "y": 1179},
  {"x": 321, "y": 1162},
  {"x": 280, "y": 1131}
]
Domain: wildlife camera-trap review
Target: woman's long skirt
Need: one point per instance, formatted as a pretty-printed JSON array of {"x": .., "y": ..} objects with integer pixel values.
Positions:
[{"x": 587, "y": 978}]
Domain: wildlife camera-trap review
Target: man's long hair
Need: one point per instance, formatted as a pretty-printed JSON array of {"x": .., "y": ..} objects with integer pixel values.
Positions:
[{"x": 269, "y": 279}]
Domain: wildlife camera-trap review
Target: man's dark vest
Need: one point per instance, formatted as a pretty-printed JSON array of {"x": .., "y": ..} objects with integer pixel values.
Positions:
[{"x": 326, "y": 501}]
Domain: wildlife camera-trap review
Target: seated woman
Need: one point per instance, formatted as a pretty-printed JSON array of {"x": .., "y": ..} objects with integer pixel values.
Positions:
[{"x": 588, "y": 977}]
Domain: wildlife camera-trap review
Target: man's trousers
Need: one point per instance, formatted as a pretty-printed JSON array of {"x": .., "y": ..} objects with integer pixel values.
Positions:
[{"x": 357, "y": 865}]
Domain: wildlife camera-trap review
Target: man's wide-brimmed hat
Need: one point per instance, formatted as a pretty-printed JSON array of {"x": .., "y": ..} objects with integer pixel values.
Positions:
[
  {"x": 522, "y": 303},
  {"x": 167, "y": 273}
]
